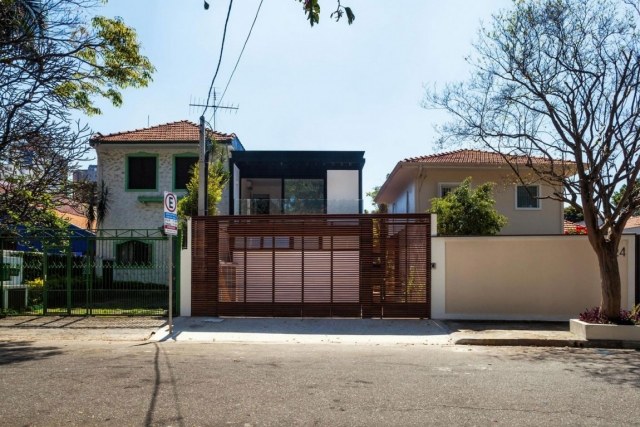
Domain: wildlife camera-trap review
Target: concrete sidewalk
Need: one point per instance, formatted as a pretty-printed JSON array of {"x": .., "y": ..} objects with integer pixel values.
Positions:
[
  {"x": 99, "y": 328},
  {"x": 296, "y": 330}
]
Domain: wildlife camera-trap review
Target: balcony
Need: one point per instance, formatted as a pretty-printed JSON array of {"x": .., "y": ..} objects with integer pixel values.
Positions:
[{"x": 292, "y": 206}]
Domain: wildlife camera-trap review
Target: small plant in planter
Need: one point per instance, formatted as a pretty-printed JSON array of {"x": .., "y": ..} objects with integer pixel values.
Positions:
[{"x": 594, "y": 315}]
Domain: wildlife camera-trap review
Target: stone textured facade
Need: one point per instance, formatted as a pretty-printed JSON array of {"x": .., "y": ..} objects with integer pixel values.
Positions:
[{"x": 126, "y": 210}]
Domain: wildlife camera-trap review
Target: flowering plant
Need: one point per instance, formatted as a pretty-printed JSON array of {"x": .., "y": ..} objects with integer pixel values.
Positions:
[
  {"x": 594, "y": 315},
  {"x": 580, "y": 229}
]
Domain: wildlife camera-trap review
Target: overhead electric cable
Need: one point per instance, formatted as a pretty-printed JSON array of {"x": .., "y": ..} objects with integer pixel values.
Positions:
[
  {"x": 224, "y": 36},
  {"x": 242, "y": 51}
]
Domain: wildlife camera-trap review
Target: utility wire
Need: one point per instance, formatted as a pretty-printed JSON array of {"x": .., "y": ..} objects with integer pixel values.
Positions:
[
  {"x": 241, "y": 52},
  {"x": 224, "y": 36}
]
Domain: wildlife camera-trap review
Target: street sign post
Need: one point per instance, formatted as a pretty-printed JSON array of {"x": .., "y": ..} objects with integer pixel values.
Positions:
[
  {"x": 170, "y": 226},
  {"x": 170, "y": 214}
]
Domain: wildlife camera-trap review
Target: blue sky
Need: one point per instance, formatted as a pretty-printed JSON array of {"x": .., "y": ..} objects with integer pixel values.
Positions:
[{"x": 330, "y": 87}]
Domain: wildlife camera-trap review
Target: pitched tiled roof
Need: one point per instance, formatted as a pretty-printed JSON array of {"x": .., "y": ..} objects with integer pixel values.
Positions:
[
  {"x": 633, "y": 222},
  {"x": 473, "y": 157},
  {"x": 74, "y": 219},
  {"x": 182, "y": 131}
]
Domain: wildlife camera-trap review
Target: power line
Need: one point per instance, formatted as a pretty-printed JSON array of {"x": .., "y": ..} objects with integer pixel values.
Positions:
[
  {"x": 224, "y": 36},
  {"x": 242, "y": 51}
]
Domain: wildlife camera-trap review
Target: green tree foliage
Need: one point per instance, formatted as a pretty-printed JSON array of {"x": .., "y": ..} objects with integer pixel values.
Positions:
[
  {"x": 618, "y": 196},
  {"x": 379, "y": 207},
  {"x": 218, "y": 178},
  {"x": 312, "y": 10},
  {"x": 560, "y": 79},
  {"x": 573, "y": 214},
  {"x": 468, "y": 212},
  {"x": 55, "y": 58}
]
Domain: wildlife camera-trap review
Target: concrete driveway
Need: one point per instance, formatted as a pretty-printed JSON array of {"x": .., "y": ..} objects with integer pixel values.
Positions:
[{"x": 311, "y": 331}]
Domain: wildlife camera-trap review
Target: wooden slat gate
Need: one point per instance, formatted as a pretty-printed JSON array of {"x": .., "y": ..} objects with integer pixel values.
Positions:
[{"x": 312, "y": 266}]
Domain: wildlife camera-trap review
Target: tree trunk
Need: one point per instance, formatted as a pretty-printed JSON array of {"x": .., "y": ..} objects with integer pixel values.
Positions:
[{"x": 607, "y": 253}]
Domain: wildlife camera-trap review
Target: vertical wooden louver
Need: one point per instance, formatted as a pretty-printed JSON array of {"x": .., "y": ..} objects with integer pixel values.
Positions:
[{"x": 312, "y": 266}]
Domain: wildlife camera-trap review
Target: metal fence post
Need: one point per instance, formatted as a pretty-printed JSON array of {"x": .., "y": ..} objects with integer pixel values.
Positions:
[{"x": 69, "y": 278}]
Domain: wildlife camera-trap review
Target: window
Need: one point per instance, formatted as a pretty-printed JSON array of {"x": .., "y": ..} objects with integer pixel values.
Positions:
[
  {"x": 445, "y": 188},
  {"x": 304, "y": 196},
  {"x": 133, "y": 253},
  {"x": 182, "y": 166},
  {"x": 527, "y": 197},
  {"x": 142, "y": 172}
]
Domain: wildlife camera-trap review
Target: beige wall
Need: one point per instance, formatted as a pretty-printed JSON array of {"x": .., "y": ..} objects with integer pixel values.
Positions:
[
  {"x": 520, "y": 277},
  {"x": 546, "y": 220}
]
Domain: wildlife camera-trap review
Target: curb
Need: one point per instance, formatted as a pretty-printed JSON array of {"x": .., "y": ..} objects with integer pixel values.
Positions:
[{"x": 537, "y": 342}]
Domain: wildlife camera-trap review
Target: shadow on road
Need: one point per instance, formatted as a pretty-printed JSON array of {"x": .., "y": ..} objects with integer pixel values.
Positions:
[
  {"x": 617, "y": 367},
  {"x": 151, "y": 412},
  {"x": 24, "y": 351}
]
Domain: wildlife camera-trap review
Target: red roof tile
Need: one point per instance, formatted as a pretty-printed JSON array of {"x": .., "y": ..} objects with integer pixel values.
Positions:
[
  {"x": 182, "y": 131},
  {"x": 473, "y": 157},
  {"x": 633, "y": 222}
]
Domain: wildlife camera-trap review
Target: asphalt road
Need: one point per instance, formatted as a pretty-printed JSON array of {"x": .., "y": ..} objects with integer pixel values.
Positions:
[{"x": 195, "y": 384}]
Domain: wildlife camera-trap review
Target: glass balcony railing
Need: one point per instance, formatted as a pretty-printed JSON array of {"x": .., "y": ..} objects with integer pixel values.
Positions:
[{"x": 295, "y": 206}]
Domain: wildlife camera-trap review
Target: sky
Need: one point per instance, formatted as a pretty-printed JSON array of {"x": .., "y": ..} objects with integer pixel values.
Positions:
[{"x": 331, "y": 87}]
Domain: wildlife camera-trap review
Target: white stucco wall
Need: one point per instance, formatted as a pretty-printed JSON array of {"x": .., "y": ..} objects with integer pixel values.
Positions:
[
  {"x": 185, "y": 275},
  {"x": 521, "y": 277},
  {"x": 406, "y": 201}
]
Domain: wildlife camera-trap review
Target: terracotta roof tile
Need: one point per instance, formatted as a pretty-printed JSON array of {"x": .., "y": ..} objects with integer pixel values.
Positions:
[
  {"x": 633, "y": 222},
  {"x": 74, "y": 219},
  {"x": 473, "y": 157},
  {"x": 182, "y": 131}
]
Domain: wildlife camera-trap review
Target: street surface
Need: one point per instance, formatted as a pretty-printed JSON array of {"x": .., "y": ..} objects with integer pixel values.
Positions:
[{"x": 84, "y": 383}]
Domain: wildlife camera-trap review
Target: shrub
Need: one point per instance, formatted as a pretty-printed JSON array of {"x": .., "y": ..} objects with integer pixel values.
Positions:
[{"x": 594, "y": 315}]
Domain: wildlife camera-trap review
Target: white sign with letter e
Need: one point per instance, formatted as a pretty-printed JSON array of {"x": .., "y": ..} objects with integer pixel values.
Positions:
[{"x": 170, "y": 213}]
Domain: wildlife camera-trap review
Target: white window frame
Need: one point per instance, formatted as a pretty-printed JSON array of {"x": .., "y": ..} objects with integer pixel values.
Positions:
[
  {"x": 537, "y": 197},
  {"x": 451, "y": 185}
]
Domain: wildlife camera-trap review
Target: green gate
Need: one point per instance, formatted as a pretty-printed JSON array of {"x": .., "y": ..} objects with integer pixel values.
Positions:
[{"x": 111, "y": 272}]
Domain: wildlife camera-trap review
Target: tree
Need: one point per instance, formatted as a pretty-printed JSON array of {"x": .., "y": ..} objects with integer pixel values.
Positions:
[
  {"x": 95, "y": 202},
  {"x": 468, "y": 212},
  {"x": 312, "y": 10},
  {"x": 379, "y": 207},
  {"x": 218, "y": 178},
  {"x": 617, "y": 196},
  {"x": 559, "y": 79},
  {"x": 55, "y": 60},
  {"x": 573, "y": 214}
]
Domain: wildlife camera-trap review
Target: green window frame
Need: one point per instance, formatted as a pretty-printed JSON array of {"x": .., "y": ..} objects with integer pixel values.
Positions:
[
  {"x": 127, "y": 171},
  {"x": 178, "y": 176}
]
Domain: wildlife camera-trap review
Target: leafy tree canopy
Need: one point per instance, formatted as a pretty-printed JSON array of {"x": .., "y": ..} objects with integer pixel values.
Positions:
[
  {"x": 573, "y": 214},
  {"x": 468, "y": 212},
  {"x": 379, "y": 207},
  {"x": 56, "y": 57},
  {"x": 618, "y": 195},
  {"x": 218, "y": 177}
]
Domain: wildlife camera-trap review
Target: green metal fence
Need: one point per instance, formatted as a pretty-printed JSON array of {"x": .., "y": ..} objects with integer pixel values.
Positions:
[{"x": 110, "y": 272}]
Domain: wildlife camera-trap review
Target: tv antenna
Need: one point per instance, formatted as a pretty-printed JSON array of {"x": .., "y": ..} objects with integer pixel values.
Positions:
[{"x": 214, "y": 105}]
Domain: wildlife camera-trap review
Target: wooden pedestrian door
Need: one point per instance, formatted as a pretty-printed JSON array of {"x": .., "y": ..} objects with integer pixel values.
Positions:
[{"x": 312, "y": 266}]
